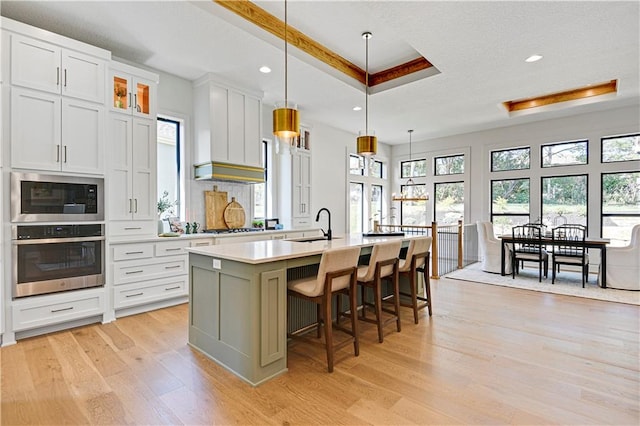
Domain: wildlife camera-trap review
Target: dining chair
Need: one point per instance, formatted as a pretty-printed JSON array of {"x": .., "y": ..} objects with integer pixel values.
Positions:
[
  {"x": 528, "y": 246},
  {"x": 490, "y": 249},
  {"x": 416, "y": 260},
  {"x": 337, "y": 274},
  {"x": 383, "y": 263},
  {"x": 569, "y": 249},
  {"x": 623, "y": 265}
]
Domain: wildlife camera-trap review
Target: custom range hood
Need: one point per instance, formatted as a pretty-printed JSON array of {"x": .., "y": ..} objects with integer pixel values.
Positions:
[{"x": 226, "y": 172}]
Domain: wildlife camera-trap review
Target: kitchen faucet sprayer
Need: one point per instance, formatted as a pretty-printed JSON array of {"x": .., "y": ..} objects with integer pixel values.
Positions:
[{"x": 328, "y": 233}]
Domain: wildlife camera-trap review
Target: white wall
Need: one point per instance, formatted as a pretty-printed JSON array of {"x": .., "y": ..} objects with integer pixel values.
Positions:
[{"x": 590, "y": 126}]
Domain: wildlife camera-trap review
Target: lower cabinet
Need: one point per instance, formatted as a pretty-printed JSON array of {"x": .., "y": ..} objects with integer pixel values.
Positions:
[
  {"x": 149, "y": 273},
  {"x": 41, "y": 311}
]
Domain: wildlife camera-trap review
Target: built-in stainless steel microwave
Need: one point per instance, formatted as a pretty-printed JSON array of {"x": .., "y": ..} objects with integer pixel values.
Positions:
[{"x": 51, "y": 198}]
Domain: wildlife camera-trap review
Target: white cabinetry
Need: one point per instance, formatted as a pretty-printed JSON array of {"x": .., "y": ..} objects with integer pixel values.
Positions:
[
  {"x": 57, "y": 95},
  {"x": 132, "y": 172},
  {"x": 40, "y": 311},
  {"x": 227, "y": 124},
  {"x": 133, "y": 91},
  {"x": 50, "y": 68},
  {"x": 149, "y": 274},
  {"x": 295, "y": 198}
]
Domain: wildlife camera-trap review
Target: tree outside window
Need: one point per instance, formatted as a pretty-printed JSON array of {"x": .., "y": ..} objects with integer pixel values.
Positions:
[
  {"x": 620, "y": 206},
  {"x": 509, "y": 204},
  {"x": 511, "y": 159},
  {"x": 449, "y": 202},
  {"x": 564, "y": 200}
]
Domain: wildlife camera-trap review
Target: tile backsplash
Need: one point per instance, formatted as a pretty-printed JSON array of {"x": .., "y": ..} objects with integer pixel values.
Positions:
[{"x": 242, "y": 193}]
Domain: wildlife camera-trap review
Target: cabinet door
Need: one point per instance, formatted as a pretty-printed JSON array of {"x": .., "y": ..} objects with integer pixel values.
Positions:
[
  {"x": 82, "y": 76},
  {"x": 120, "y": 96},
  {"x": 305, "y": 180},
  {"x": 120, "y": 168},
  {"x": 219, "y": 129},
  {"x": 144, "y": 169},
  {"x": 83, "y": 135},
  {"x": 35, "y": 130},
  {"x": 35, "y": 64},
  {"x": 235, "y": 145},
  {"x": 144, "y": 98}
]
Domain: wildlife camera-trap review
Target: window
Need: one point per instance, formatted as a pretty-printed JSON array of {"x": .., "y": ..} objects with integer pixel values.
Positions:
[
  {"x": 168, "y": 160},
  {"x": 356, "y": 210},
  {"x": 564, "y": 200},
  {"x": 375, "y": 168},
  {"x": 564, "y": 154},
  {"x": 449, "y": 202},
  {"x": 413, "y": 168},
  {"x": 366, "y": 200},
  {"x": 450, "y": 165},
  {"x": 621, "y": 148},
  {"x": 413, "y": 212},
  {"x": 376, "y": 202},
  {"x": 620, "y": 206},
  {"x": 356, "y": 165},
  {"x": 510, "y": 159},
  {"x": 260, "y": 190},
  {"x": 509, "y": 204}
]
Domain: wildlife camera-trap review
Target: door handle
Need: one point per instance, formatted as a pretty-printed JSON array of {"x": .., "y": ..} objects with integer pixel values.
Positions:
[
  {"x": 65, "y": 77},
  {"x": 57, "y": 76},
  {"x": 65, "y": 151},
  {"x": 57, "y": 153}
]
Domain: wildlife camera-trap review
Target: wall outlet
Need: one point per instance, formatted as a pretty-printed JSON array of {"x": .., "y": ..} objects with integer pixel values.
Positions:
[{"x": 217, "y": 264}]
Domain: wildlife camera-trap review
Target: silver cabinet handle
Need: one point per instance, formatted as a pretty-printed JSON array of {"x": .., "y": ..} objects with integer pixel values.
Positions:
[
  {"x": 65, "y": 152},
  {"x": 134, "y": 295},
  {"x": 131, "y": 206},
  {"x": 57, "y": 76},
  {"x": 129, "y": 99},
  {"x": 173, "y": 249},
  {"x": 132, "y": 228},
  {"x": 135, "y": 203},
  {"x": 135, "y": 101},
  {"x": 57, "y": 153},
  {"x": 62, "y": 309},
  {"x": 172, "y": 267},
  {"x": 65, "y": 77},
  {"x": 134, "y": 252},
  {"x": 134, "y": 272},
  {"x": 172, "y": 288}
]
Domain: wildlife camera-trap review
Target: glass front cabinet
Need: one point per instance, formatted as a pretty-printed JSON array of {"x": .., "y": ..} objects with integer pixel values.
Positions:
[{"x": 133, "y": 90}]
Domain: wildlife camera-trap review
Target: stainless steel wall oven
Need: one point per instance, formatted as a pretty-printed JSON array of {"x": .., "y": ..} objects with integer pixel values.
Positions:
[
  {"x": 52, "y": 198},
  {"x": 53, "y": 258}
]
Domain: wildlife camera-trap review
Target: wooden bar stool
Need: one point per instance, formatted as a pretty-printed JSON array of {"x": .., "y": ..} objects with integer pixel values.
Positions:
[
  {"x": 336, "y": 275},
  {"x": 382, "y": 264},
  {"x": 417, "y": 260}
]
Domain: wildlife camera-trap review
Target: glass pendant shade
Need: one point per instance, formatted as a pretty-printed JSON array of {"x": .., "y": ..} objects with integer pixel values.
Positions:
[{"x": 286, "y": 122}]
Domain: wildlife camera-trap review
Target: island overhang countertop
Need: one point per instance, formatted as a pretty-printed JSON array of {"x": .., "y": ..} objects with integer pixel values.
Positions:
[{"x": 259, "y": 252}]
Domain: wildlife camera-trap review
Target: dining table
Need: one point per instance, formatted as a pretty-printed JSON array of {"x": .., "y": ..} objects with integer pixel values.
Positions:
[{"x": 589, "y": 242}]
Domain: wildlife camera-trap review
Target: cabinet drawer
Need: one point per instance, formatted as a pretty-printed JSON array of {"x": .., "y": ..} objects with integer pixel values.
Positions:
[
  {"x": 149, "y": 291},
  {"x": 301, "y": 223},
  {"x": 132, "y": 271},
  {"x": 202, "y": 243},
  {"x": 133, "y": 228},
  {"x": 48, "y": 310},
  {"x": 132, "y": 251},
  {"x": 170, "y": 248}
]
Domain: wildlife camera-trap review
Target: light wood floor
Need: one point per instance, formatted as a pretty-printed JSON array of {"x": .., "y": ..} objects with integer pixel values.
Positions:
[{"x": 489, "y": 355}]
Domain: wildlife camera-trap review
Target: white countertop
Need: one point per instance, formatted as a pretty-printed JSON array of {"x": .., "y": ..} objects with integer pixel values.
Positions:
[
  {"x": 152, "y": 238},
  {"x": 258, "y": 252}
]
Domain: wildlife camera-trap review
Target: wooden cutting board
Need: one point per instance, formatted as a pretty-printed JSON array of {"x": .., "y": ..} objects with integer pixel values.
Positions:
[
  {"x": 234, "y": 215},
  {"x": 215, "y": 203}
]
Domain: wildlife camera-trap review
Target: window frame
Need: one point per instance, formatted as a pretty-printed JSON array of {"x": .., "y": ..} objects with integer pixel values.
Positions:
[
  {"x": 586, "y": 176},
  {"x": 579, "y": 141},
  {"x": 435, "y": 166},
  {"x": 492, "y": 152},
  {"x": 604, "y": 138}
]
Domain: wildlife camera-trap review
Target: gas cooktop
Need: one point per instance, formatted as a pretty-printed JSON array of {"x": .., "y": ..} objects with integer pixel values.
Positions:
[{"x": 232, "y": 231}]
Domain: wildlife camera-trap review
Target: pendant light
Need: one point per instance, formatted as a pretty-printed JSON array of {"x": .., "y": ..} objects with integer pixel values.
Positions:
[
  {"x": 286, "y": 118},
  {"x": 367, "y": 144},
  {"x": 404, "y": 194}
]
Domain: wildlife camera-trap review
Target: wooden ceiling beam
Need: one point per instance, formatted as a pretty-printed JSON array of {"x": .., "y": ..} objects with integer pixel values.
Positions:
[
  {"x": 263, "y": 19},
  {"x": 568, "y": 95}
]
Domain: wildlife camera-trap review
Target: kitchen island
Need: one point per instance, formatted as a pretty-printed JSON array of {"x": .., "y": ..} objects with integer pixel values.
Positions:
[{"x": 238, "y": 299}]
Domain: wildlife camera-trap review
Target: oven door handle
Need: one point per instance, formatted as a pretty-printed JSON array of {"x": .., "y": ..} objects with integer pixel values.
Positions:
[{"x": 58, "y": 240}]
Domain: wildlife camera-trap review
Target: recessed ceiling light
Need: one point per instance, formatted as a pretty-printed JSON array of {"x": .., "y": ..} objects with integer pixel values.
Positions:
[
  {"x": 265, "y": 69},
  {"x": 357, "y": 108},
  {"x": 533, "y": 58}
]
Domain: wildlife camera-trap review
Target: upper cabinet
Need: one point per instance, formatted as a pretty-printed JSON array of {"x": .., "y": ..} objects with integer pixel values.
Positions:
[
  {"x": 133, "y": 91},
  {"x": 56, "y": 97},
  {"x": 227, "y": 124},
  {"x": 50, "y": 68}
]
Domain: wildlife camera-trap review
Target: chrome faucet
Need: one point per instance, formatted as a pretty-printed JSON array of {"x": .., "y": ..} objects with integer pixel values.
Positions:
[{"x": 328, "y": 233}]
